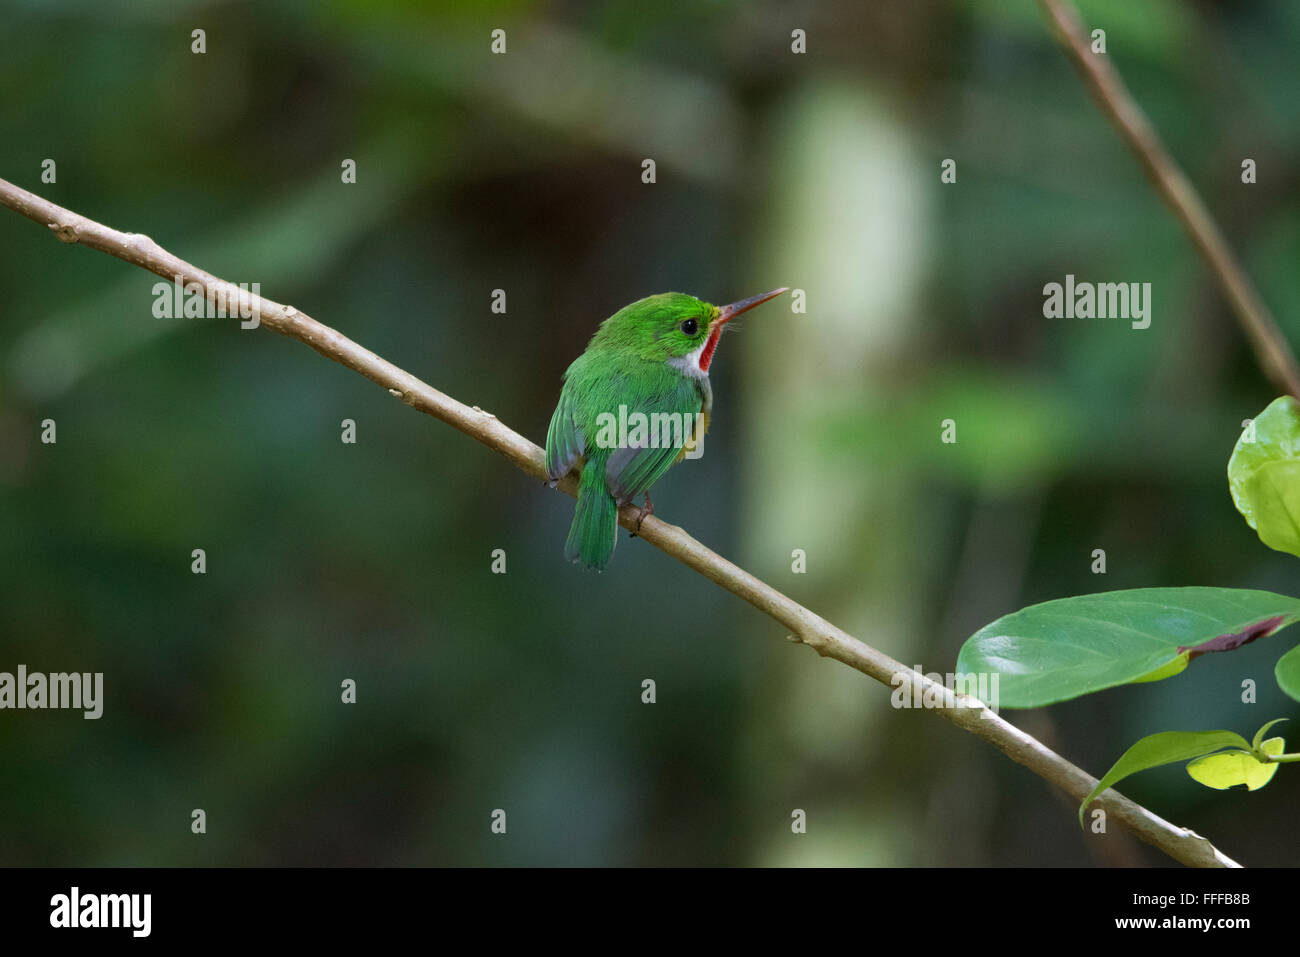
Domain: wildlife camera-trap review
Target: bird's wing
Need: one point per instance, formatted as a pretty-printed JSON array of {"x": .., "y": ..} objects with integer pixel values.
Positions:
[
  {"x": 632, "y": 469},
  {"x": 565, "y": 442}
]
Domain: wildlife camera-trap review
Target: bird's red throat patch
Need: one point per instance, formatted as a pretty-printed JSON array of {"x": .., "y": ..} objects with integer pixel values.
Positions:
[{"x": 706, "y": 357}]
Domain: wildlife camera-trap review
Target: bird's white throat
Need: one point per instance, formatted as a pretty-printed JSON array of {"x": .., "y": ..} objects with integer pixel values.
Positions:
[{"x": 690, "y": 363}]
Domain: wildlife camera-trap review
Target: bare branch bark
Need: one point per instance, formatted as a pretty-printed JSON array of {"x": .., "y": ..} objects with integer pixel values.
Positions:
[
  {"x": 805, "y": 626},
  {"x": 1271, "y": 349}
]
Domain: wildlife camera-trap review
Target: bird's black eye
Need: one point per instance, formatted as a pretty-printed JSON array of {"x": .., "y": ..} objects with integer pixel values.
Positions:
[{"x": 690, "y": 326}]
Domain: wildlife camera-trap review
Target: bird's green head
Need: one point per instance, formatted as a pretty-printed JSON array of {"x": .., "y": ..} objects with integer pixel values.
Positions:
[{"x": 672, "y": 327}]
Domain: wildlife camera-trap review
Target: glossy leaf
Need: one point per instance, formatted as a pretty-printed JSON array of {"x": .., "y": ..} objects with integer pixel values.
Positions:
[
  {"x": 1274, "y": 494},
  {"x": 1073, "y": 646},
  {"x": 1166, "y": 747},
  {"x": 1287, "y": 672},
  {"x": 1264, "y": 475}
]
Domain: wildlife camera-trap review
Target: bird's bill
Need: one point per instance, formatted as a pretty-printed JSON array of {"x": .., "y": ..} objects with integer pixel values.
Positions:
[{"x": 727, "y": 313}]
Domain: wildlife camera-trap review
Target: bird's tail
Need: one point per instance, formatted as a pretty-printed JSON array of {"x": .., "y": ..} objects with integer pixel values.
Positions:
[{"x": 595, "y": 520}]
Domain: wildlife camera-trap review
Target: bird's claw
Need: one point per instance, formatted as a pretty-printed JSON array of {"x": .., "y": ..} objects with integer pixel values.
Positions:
[{"x": 647, "y": 509}]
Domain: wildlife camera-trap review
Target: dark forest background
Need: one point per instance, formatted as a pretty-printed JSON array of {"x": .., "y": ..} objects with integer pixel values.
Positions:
[{"x": 522, "y": 172}]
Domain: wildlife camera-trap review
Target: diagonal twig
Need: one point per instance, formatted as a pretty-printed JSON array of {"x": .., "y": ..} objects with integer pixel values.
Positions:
[
  {"x": 1107, "y": 86},
  {"x": 806, "y": 626}
]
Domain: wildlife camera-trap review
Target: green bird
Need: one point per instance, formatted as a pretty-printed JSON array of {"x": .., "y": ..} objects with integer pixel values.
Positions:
[{"x": 633, "y": 404}]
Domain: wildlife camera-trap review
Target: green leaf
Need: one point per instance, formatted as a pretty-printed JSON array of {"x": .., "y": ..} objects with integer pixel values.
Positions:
[
  {"x": 1234, "y": 768},
  {"x": 1074, "y": 646},
  {"x": 1287, "y": 671},
  {"x": 1164, "y": 748},
  {"x": 1264, "y": 475},
  {"x": 1259, "y": 735},
  {"x": 1165, "y": 671},
  {"x": 1274, "y": 496}
]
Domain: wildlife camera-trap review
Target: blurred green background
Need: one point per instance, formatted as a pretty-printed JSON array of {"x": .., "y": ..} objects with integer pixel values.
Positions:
[{"x": 522, "y": 172}]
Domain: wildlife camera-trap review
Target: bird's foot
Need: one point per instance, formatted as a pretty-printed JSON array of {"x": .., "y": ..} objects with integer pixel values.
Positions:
[{"x": 647, "y": 509}]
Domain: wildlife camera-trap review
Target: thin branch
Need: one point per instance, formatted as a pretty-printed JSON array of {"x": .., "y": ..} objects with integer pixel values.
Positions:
[
  {"x": 1107, "y": 86},
  {"x": 806, "y": 627}
]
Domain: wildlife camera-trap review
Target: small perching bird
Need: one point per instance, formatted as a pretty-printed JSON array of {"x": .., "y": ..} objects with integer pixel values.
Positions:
[{"x": 634, "y": 403}]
